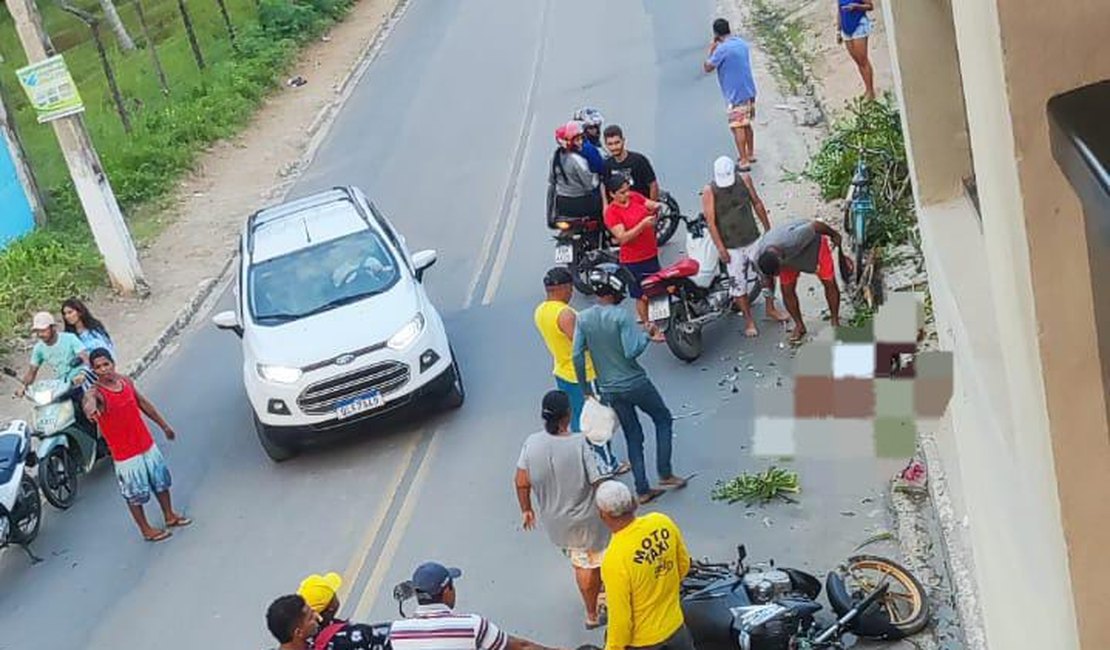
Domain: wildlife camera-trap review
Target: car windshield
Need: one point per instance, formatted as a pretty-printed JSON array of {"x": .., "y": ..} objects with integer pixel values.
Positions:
[{"x": 319, "y": 278}]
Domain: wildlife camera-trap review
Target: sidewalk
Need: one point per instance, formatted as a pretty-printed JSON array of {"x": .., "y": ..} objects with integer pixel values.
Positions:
[{"x": 184, "y": 263}]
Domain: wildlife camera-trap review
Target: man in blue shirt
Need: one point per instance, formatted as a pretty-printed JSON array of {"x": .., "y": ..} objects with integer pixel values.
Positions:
[
  {"x": 615, "y": 340},
  {"x": 729, "y": 56}
]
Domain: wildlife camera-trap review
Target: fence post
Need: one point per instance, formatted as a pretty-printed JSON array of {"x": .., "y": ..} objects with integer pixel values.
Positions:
[
  {"x": 94, "y": 27},
  {"x": 227, "y": 23},
  {"x": 150, "y": 46},
  {"x": 191, "y": 33}
]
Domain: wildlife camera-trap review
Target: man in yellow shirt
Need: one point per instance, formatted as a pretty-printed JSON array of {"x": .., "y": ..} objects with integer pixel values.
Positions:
[
  {"x": 555, "y": 319},
  {"x": 642, "y": 571}
]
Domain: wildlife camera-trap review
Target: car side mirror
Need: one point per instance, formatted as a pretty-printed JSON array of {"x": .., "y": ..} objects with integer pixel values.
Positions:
[
  {"x": 226, "y": 320},
  {"x": 422, "y": 261}
]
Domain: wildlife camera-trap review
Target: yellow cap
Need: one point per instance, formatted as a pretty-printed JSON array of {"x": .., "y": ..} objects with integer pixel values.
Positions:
[{"x": 318, "y": 590}]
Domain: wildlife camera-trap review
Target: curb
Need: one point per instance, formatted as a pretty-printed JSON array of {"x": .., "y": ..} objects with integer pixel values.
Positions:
[{"x": 320, "y": 126}]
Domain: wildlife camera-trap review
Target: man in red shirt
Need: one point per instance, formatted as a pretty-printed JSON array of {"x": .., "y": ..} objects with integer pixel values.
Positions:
[
  {"x": 630, "y": 217},
  {"x": 117, "y": 407}
]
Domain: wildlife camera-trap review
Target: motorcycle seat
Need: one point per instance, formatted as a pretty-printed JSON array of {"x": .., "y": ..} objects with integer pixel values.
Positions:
[
  {"x": 11, "y": 453},
  {"x": 683, "y": 268}
]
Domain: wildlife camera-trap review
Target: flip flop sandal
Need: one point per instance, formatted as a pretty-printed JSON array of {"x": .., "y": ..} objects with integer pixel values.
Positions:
[
  {"x": 651, "y": 495},
  {"x": 744, "y": 168},
  {"x": 160, "y": 537},
  {"x": 180, "y": 522}
]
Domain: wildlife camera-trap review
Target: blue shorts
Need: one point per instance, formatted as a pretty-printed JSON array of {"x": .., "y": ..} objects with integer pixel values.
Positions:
[
  {"x": 140, "y": 475},
  {"x": 863, "y": 30},
  {"x": 639, "y": 271}
]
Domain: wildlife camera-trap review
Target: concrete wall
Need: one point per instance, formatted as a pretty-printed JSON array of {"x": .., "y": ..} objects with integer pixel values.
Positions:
[{"x": 1015, "y": 303}]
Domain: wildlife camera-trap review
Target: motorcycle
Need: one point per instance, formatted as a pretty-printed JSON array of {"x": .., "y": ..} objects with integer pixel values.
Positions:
[
  {"x": 582, "y": 243},
  {"x": 741, "y": 607},
  {"x": 692, "y": 292},
  {"x": 20, "y": 505},
  {"x": 67, "y": 448}
]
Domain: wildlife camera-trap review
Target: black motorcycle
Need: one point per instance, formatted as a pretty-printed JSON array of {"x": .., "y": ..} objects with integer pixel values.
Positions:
[{"x": 741, "y": 607}]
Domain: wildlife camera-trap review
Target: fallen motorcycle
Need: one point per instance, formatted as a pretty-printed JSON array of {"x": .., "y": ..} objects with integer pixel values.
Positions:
[
  {"x": 691, "y": 293},
  {"x": 20, "y": 505},
  {"x": 741, "y": 607},
  {"x": 67, "y": 448}
]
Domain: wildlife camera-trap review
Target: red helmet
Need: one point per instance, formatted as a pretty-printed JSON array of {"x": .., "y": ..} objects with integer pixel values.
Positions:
[
  {"x": 572, "y": 130},
  {"x": 561, "y": 135}
]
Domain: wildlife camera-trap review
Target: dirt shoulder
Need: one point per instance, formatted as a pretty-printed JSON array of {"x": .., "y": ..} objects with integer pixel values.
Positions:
[{"x": 202, "y": 220}]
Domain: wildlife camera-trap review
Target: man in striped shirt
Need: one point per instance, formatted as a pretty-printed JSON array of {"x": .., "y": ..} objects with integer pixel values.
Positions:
[{"x": 436, "y": 626}]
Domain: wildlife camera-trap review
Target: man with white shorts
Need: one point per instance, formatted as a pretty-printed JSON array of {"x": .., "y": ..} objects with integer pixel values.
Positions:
[{"x": 728, "y": 206}]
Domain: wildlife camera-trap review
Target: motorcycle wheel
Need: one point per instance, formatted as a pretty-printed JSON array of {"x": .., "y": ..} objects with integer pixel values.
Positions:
[
  {"x": 666, "y": 226},
  {"x": 683, "y": 339},
  {"x": 580, "y": 269},
  {"x": 58, "y": 478},
  {"x": 26, "y": 528},
  {"x": 902, "y": 612}
]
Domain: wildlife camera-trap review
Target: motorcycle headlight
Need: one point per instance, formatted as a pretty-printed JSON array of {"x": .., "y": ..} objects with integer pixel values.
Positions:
[
  {"x": 42, "y": 397},
  {"x": 279, "y": 374},
  {"x": 407, "y": 334}
]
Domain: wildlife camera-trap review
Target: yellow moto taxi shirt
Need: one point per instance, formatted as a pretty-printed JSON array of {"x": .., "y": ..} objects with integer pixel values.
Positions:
[
  {"x": 642, "y": 570},
  {"x": 558, "y": 344}
]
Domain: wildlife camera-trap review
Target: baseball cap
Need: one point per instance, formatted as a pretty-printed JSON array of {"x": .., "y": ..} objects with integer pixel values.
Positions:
[
  {"x": 557, "y": 276},
  {"x": 724, "y": 171},
  {"x": 319, "y": 590},
  {"x": 42, "y": 320},
  {"x": 431, "y": 578}
]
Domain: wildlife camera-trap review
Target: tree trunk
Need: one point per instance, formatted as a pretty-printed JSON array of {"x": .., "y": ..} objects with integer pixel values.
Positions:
[{"x": 111, "y": 16}]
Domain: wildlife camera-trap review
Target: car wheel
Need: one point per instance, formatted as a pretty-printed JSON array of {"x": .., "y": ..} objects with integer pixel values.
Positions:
[
  {"x": 277, "y": 451},
  {"x": 455, "y": 393}
]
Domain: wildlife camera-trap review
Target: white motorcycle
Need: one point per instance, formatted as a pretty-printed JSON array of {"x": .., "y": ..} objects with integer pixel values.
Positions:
[
  {"x": 694, "y": 291},
  {"x": 20, "y": 505}
]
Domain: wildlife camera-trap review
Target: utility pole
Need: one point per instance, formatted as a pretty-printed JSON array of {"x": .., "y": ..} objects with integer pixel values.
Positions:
[{"x": 93, "y": 189}]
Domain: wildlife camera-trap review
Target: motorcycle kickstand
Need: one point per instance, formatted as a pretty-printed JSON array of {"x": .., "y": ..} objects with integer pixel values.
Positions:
[{"x": 31, "y": 554}]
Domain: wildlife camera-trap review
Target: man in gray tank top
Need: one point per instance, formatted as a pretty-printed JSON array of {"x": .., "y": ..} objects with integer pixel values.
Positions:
[{"x": 728, "y": 203}]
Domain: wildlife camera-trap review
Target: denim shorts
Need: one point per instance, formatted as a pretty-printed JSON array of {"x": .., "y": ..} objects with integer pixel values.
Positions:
[
  {"x": 863, "y": 30},
  {"x": 140, "y": 475}
]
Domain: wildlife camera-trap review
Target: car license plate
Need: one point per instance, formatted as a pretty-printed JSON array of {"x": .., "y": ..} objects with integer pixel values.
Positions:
[
  {"x": 564, "y": 254},
  {"x": 659, "y": 308},
  {"x": 360, "y": 404}
]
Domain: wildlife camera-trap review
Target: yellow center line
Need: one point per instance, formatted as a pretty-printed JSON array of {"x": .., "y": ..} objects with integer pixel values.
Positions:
[
  {"x": 362, "y": 553},
  {"x": 396, "y": 533}
]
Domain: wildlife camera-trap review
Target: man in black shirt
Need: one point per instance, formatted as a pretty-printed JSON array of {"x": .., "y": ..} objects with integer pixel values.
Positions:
[{"x": 635, "y": 167}]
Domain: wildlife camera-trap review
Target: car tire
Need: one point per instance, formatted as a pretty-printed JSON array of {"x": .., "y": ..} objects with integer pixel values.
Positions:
[
  {"x": 277, "y": 450},
  {"x": 454, "y": 394}
]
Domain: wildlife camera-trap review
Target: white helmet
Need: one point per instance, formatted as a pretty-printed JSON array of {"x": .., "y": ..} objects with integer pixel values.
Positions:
[{"x": 589, "y": 116}]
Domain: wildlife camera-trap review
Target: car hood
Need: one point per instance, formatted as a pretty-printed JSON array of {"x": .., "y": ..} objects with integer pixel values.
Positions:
[{"x": 338, "y": 331}]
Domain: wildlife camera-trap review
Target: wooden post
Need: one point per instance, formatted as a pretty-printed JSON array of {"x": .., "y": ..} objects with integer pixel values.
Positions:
[
  {"x": 93, "y": 24},
  {"x": 93, "y": 189},
  {"x": 227, "y": 23},
  {"x": 191, "y": 33},
  {"x": 152, "y": 48}
]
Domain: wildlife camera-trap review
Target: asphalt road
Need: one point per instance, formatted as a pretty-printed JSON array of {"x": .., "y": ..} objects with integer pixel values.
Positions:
[{"x": 450, "y": 134}]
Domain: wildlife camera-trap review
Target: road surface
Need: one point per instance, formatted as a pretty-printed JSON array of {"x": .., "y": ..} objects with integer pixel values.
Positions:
[{"x": 450, "y": 132}]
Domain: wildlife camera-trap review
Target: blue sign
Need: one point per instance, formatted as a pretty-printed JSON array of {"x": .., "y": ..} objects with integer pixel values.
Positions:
[{"x": 16, "y": 217}]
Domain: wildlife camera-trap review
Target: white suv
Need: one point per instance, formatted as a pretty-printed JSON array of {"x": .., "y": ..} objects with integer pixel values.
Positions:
[{"x": 335, "y": 323}]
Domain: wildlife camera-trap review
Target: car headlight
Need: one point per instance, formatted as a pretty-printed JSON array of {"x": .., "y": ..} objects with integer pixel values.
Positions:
[
  {"x": 279, "y": 374},
  {"x": 407, "y": 334}
]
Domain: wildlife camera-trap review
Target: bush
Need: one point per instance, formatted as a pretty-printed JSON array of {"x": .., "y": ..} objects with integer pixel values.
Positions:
[
  {"x": 876, "y": 128},
  {"x": 42, "y": 269}
]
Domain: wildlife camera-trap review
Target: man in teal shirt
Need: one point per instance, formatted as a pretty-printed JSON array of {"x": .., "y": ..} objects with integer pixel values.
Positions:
[
  {"x": 57, "y": 351},
  {"x": 615, "y": 340}
]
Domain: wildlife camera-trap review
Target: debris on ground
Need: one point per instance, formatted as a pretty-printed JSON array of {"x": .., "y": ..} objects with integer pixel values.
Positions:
[
  {"x": 761, "y": 487},
  {"x": 296, "y": 82}
]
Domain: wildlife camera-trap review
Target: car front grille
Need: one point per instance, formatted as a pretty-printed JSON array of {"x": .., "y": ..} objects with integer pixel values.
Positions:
[{"x": 323, "y": 396}]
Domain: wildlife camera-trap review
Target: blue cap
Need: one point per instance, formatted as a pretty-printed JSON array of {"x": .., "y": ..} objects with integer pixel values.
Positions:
[{"x": 431, "y": 578}]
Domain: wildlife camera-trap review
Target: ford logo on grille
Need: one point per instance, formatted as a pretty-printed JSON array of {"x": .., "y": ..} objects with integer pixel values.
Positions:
[{"x": 343, "y": 360}]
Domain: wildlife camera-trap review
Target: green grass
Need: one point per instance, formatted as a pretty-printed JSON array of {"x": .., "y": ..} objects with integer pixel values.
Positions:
[{"x": 167, "y": 132}]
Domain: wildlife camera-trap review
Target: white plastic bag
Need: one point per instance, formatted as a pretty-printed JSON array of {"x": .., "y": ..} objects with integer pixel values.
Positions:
[{"x": 598, "y": 422}]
